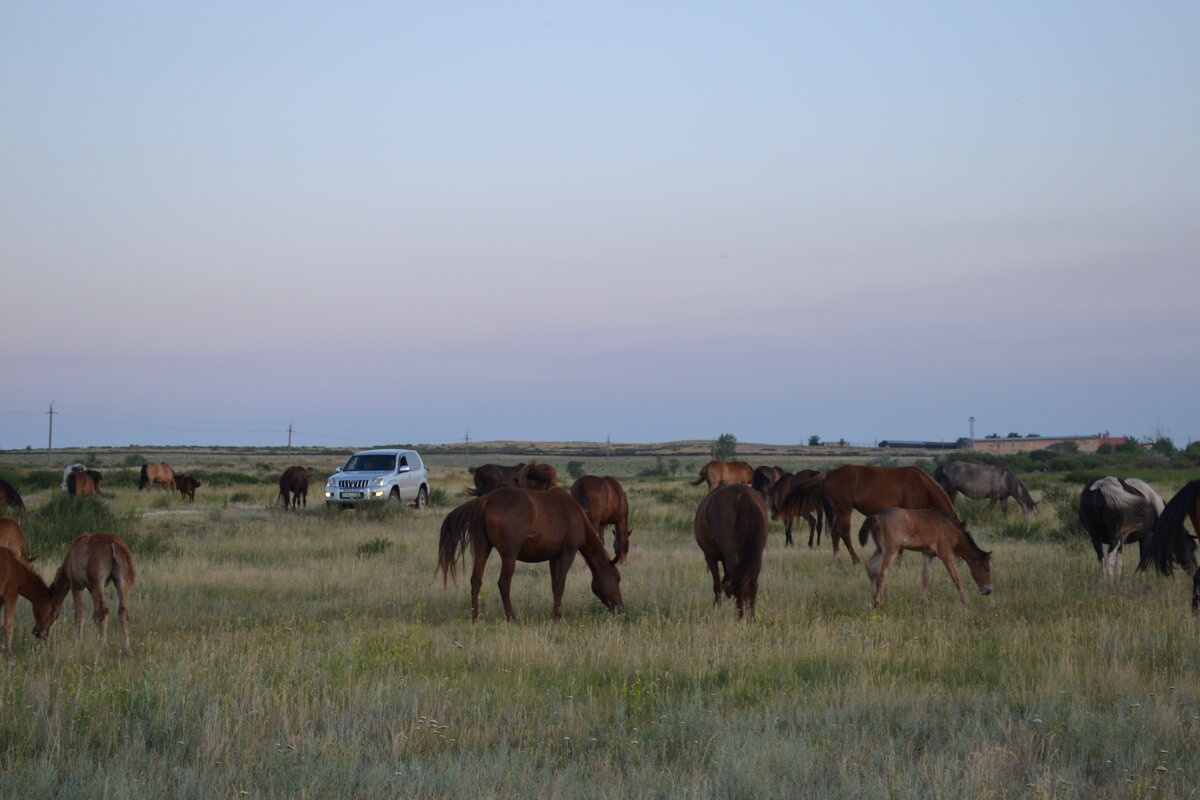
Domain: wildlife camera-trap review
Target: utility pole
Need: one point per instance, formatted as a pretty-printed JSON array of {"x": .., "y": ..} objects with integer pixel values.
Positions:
[
  {"x": 467, "y": 449},
  {"x": 608, "y": 446},
  {"x": 289, "y": 437},
  {"x": 972, "y": 421},
  {"x": 50, "y": 437}
]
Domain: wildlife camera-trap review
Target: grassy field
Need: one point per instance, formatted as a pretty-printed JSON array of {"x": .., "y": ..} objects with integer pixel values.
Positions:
[{"x": 317, "y": 655}]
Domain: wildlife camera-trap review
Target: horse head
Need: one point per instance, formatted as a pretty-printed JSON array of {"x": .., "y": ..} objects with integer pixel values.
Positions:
[{"x": 606, "y": 584}]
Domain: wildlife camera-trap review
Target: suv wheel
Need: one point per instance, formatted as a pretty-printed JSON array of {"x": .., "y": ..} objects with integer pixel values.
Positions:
[
  {"x": 422, "y": 498},
  {"x": 393, "y": 500}
]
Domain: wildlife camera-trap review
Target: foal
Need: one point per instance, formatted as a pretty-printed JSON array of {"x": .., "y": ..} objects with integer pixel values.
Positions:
[
  {"x": 17, "y": 579},
  {"x": 931, "y": 534},
  {"x": 94, "y": 560}
]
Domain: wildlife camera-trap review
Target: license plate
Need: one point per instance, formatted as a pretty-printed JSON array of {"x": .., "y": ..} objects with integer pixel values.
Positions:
[{"x": 350, "y": 495}]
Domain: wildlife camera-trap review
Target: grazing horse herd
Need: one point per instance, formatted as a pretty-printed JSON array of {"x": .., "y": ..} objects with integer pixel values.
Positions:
[{"x": 522, "y": 513}]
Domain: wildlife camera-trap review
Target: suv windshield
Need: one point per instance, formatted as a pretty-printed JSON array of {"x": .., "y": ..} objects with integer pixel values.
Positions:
[{"x": 370, "y": 462}]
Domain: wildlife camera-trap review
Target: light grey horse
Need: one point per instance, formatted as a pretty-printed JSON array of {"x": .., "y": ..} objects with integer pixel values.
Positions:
[{"x": 978, "y": 481}]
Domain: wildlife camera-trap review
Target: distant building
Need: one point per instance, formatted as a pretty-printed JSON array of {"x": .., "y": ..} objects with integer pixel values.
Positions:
[
  {"x": 1086, "y": 444},
  {"x": 900, "y": 444}
]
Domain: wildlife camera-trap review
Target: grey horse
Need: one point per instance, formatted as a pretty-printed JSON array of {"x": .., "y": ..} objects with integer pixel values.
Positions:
[{"x": 978, "y": 481}]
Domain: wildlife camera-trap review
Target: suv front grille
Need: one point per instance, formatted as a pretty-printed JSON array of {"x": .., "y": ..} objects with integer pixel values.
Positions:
[{"x": 360, "y": 484}]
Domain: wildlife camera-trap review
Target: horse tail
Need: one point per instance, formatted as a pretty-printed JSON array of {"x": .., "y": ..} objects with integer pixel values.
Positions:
[
  {"x": 703, "y": 477},
  {"x": 14, "y": 497},
  {"x": 71, "y": 486},
  {"x": 1168, "y": 542},
  {"x": 143, "y": 478},
  {"x": 870, "y": 528},
  {"x": 123, "y": 560},
  {"x": 753, "y": 527},
  {"x": 457, "y": 530}
]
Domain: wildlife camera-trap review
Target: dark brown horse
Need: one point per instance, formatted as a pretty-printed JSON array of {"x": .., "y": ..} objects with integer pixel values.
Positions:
[
  {"x": 529, "y": 526},
  {"x": 605, "y": 503},
  {"x": 187, "y": 486},
  {"x": 1171, "y": 544},
  {"x": 94, "y": 560},
  {"x": 731, "y": 529},
  {"x": 931, "y": 534},
  {"x": 293, "y": 487},
  {"x": 725, "y": 473},
  {"x": 12, "y": 538},
  {"x": 156, "y": 472},
  {"x": 764, "y": 478},
  {"x": 83, "y": 483},
  {"x": 493, "y": 476},
  {"x": 812, "y": 513},
  {"x": 538, "y": 477},
  {"x": 9, "y": 496},
  {"x": 17, "y": 579},
  {"x": 868, "y": 490}
]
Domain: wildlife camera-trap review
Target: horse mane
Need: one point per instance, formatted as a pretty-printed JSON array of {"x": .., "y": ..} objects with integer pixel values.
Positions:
[
  {"x": 1115, "y": 495},
  {"x": 1169, "y": 536},
  {"x": 974, "y": 545}
]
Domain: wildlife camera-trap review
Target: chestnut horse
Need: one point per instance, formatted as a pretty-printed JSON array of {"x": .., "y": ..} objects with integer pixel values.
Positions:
[
  {"x": 9, "y": 496},
  {"x": 187, "y": 486},
  {"x": 724, "y": 473},
  {"x": 530, "y": 526},
  {"x": 933, "y": 535},
  {"x": 18, "y": 579},
  {"x": 537, "y": 476},
  {"x": 731, "y": 529},
  {"x": 812, "y": 513},
  {"x": 764, "y": 478},
  {"x": 293, "y": 487},
  {"x": 156, "y": 472},
  {"x": 1171, "y": 544},
  {"x": 605, "y": 503},
  {"x": 94, "y": 560},
  {"x": 83, "y": 483},
  {"x": 868, "y": 490},
  {"x": 12, "y": 538}
]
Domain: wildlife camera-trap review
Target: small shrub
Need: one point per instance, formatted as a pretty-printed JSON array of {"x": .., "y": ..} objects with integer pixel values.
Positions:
[
  {"x": 56, "y": 524},
  {"x": 240, "y": 497},
  {"x": 439, "y": 497},
  {"x": 373, "y": 547},
  {"x": 575, "y": 469}
]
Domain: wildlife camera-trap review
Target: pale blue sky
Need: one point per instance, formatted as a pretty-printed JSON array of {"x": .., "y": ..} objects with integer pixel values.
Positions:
[{"x": 400, "y": 222}]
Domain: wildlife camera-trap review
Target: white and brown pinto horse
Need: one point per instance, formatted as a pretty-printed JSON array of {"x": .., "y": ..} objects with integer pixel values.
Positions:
[{"x": 1114, "y": 512}]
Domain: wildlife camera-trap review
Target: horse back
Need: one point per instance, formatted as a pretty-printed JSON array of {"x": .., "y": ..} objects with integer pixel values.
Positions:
[
  {"x": 95, "y": 559},
  {"x": 12, "y": 538}
]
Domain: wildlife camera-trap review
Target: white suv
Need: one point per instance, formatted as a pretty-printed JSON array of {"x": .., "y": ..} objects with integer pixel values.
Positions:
[{"x": 379, "y": 476}]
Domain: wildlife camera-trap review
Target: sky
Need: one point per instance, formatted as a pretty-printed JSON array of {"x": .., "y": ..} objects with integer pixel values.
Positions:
[{"x": 412, "y": 222}]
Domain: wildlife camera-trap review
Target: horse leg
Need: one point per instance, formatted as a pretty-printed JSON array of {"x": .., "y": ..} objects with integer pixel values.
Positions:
[
  {"x": 926, "y": 576},
  {"x": 844, "y": 530},
  {"x": 77, "y": 600},
  {"x": 715, "y": 568},
  {"x": 123, "y": 612},
  {"x": 508, "y": 566},
  {"x": 1004, "y": 505},
  {"x": 812, "y": 529},
  {"x": 10, "y": 612},
  {"x": 883, "y": 563},
  {"x": 1196, "y": 592},
  {"x": 100, "y": 610},
  {"x": 481, "y": 556},
  {"x": 558, "y": 579},
  {"x": 947, "y": 558},
  {"x": 787, "y": 530}
]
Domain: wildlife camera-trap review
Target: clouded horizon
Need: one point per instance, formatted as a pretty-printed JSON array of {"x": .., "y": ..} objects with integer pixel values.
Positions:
[{"x": 401, "y": 223}]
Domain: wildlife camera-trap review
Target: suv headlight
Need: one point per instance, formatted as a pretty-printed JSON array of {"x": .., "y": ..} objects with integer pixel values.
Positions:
[{"x": 380, "y": 481}]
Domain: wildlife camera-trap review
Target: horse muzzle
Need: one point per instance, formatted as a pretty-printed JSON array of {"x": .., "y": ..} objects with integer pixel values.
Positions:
[
  {"x": 38, "y": 633},
  {"x": 985, "y": 590}
]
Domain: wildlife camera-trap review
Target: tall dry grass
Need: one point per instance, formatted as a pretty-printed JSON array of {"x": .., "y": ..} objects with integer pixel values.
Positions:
[{"x": 292, "y": 655}]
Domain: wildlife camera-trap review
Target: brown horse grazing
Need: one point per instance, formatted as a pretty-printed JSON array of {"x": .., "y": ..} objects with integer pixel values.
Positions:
[
  {"x": 18, "y": 579},
  {"x": 930, "y": 533},
  {"x": 764, "y": 478},
  {"x": 81, "y": 483},
  {"x": 12, "y": 538},
  {"x": 812, "y": 512},
  {"x": 293, "y": 487},
  {"x": 493, "y": 476},
  {"x": 9, "y": 496},
  {"x": 92, "y": 561},
  {"x": 868, "y": 490},
  {"x": 187, "y": 486},
  {"x": 731, "y": 529},
  {"x": 529, "y": 526},
  {"x": 724, "y": 473},
  {"x": 537, "y": 476},
  {"x": 605, "y": 503},
  {"x": 156, "y": 472}
]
